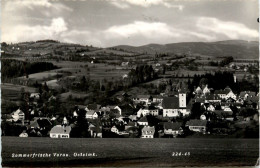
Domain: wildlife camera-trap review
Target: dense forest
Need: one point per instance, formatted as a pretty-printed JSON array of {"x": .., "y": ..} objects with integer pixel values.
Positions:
[{"x": 15, "y": 68}]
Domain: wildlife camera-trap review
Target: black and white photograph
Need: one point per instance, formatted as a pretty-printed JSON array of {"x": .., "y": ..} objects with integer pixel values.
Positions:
[{"x": 129, "y": 83}]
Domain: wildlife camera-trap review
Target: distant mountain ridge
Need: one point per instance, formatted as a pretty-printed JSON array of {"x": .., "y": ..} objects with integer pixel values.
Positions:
[{"x": 236, "y": 48}]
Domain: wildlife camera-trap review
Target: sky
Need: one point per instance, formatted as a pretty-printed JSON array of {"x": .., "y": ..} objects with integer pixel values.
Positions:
[{"x": 106, "y": 23}]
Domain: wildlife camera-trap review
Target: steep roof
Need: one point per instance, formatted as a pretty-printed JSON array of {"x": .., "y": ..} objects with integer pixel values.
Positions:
[
  {"x": 222, "y": 112},
  {"x": 143, "y": 96},
  {"x": 90, "y": 112},
  {"x": 222, "y": 91},
  {"x": 170, "y": 103},
  {"x": 143, "y": 119},
  {"x": 173, "y": 126},
  {"x": 40, "y": 122},
  {"x": 196, "y": 122},
  {"x": 58, "y": 129}
]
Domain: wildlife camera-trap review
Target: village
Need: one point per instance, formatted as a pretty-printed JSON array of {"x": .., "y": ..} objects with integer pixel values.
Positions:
[{"x": 171, "y": 114}]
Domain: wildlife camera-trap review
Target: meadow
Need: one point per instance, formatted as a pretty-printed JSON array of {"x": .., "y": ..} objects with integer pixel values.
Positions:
[{"x": 132, "y": 152}]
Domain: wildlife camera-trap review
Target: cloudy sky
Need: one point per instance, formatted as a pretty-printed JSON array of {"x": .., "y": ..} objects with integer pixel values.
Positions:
[{"x": 105, "y": 23}]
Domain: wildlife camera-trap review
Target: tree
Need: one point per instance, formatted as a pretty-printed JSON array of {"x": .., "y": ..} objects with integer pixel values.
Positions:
[
  {"x": 196, "y": 111},
  {"x": 203, "y": 82},
  {"x": 81, "y": 128}
]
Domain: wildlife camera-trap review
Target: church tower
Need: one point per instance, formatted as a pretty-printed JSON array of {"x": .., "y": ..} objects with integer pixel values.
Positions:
[{"x": 182, "y": 100}]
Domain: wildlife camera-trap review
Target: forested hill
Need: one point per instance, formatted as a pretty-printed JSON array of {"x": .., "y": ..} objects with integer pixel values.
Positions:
[{"x": 236, "y": 48}]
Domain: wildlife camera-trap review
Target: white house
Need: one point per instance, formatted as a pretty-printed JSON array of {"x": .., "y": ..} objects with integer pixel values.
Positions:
[
  {"x": 211, "y": 108},
  {"x": 231, "y": 95},
  {"x": 148, "y": 110},
  {"x": 115, "y": 130},
  {"x": 91, "y": 114},
  {"x": 59, "y": 131},
  {"x": 142, "y": 98},
  {"x": 17, "y": 115},
  {"x": 148, "y": 132},
  {"x": 206, "y": 90},
  {"x": 35, "y": 95}
]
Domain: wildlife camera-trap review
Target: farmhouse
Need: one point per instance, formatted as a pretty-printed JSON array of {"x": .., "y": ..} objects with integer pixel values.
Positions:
[
  {"x": 148, "y": 132},
  {"x": 17, "y": 115},
  {"x": 142, "y": 98},
  {"x": 91, "y": 114},
  {"x": 150, "y": 110},
  {"x": 206, "y": 90},
  {"x": 157, "y": 98},
  {"x": 35, "y": 95},
  {"x": 59, "y": 131},
  {"x": 197, "y": 125},
  {"x": 172, "y": 128}
]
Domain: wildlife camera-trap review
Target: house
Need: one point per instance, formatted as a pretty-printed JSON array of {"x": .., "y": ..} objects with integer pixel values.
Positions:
[
  {"x": 143, "y": 112},
  {"x": 23, "y": 134},
  {"x": 174, "y": 106},
  {"x": 197, "y": 125},
  {"x": 212, "y": 98},
  {"x": 114, "y": 113},
  {"x": 91, "y": 114},
  {"x": 148, "y": 132},
  {"x": 130, "y": 125},
  {"x": 224, "y": 115},
  {"x": 150, "y": 110},
  {"x": 17, "y": 115},
  {"x": 210, "y": 108},
  {"x": 120, "y": 130},
  {"x": 126, "y": 109},
  {"x": 115, "y": 129},
  {"x": 206, "y": 90},
  {"x": 35, "y": 96},
  {"x": 75, "y": 114},
  {"x": 95, "y": 107},
  {"x": 198, "y": 91},
  {"x": 143, "y": 121},
  {"x": 142, "y": 98},
  {"x": 59, "y": 131},
  {"x": 133, "y": 117},
  {"x": 172, "y": 128},
  {"x": 221, "y": 93},
  {"x": 231, "y": 95},
  {"x": 41, "y": 123},
  {"x": 157, "y": 98}
]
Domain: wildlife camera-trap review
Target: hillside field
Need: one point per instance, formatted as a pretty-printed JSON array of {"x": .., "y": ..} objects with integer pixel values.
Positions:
[{"x": 132, "y": 152}]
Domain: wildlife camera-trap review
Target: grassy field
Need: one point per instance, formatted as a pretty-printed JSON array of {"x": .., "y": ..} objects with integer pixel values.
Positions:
[
  {"x": 131, "y": 152},
  {"x": 12, "y": 92}
]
